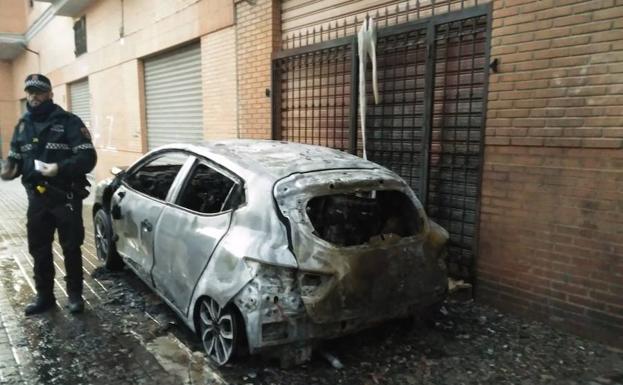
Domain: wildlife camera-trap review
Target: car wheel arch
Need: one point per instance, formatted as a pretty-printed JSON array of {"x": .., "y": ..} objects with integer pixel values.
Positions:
[{"x": 103, "y": 232}]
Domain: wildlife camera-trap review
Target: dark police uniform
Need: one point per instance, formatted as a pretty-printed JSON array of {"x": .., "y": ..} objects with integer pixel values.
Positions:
[{"x": 54, "y": 202}]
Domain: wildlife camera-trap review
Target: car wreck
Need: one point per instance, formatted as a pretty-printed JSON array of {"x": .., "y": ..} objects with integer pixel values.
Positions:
[{"x": 271, "y": 246}]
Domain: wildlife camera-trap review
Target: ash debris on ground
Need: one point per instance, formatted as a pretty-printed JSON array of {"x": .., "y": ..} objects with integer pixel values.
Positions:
[
  {"x": 129, "y": 336},
  {"x": 470, "y": 344}
]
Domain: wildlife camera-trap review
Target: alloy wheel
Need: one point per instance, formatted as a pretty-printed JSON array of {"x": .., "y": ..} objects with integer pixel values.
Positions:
[
  {"x": 218, "y": 331},
  {"x": 101, "y": 238}
]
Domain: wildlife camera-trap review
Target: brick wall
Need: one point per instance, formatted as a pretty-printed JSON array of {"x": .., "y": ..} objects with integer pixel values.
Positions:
[
  {"x": 258, "y": 36},
  {"x": 551, "y": 229},
  {"x": 218, "y": 67}
]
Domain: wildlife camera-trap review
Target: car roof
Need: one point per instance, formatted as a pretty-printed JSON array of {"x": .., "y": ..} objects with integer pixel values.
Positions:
[{"x": 276, "y": 158}]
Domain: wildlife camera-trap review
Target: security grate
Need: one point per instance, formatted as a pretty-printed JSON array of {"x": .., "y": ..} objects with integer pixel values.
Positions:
[
  {"x": 395, "y": 126},
  {"x": 456, "y": 145},
  {"x": 428, "y": 125},
  {"x": 315, "y": 93}
]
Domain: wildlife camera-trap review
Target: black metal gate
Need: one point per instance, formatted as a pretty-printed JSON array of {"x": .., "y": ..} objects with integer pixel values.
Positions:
[{"x": 428, "y": 126}]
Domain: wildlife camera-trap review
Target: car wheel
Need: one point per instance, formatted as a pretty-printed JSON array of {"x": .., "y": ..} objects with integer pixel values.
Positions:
[
  {"x": 106, "y": 250},
  {"x": 219, "y": 330}
]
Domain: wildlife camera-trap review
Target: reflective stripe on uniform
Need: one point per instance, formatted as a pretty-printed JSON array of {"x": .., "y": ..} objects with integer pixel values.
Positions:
[
  {"x": 84, "y": 146},
  {"x": 15, "y": 155},
  {"x": 57, "y": 146}
]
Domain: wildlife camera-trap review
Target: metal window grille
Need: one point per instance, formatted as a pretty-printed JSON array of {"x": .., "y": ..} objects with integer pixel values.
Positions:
[
  {"x": 80, "y": 36},
  {"x": 428, "y": 126}
]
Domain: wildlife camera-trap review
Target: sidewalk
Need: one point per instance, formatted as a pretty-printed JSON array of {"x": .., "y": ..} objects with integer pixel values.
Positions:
[
  {"x": 96, "y": 347},
  {"x": 15, "y": 356}
]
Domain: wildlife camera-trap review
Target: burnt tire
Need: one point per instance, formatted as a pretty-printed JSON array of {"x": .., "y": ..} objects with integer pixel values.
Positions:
[
  {"x": 219, "y": 331},
  {"x": 104, "y": 245}
]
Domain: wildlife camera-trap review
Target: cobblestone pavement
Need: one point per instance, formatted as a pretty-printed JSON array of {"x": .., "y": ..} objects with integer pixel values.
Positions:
[{"x": 128, "y": 336}]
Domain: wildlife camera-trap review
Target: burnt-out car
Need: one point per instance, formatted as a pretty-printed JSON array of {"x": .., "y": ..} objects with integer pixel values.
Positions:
[{"x": 276, "y": 245}]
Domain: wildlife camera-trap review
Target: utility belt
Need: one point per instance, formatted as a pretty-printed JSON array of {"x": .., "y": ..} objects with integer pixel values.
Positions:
[{"x": 46, "y": 189}]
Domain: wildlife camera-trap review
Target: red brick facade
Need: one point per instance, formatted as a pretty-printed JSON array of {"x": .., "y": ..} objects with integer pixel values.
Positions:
[
  {"x": 551, "y": 224},
  {"x": 258, "y": 36},
  {"x": 551, "y": 229}
]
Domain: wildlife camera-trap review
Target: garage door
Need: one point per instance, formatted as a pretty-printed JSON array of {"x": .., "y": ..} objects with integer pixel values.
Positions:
[
  {"x": 80, "y": 102},
  {"x": 173, "y": 97}
]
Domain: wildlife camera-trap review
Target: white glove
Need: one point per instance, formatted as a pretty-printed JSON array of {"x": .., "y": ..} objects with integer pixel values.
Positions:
[{"x": 49, "y": 169}]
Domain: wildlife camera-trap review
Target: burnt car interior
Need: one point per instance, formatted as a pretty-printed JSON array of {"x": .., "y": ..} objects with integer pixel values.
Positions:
[
  {"x": 208, "y": 191},
  {"x": 355, "y": 219},
  {"x": 154, "y": 180}
]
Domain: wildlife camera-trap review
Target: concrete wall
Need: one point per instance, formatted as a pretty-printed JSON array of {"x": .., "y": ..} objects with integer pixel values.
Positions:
[
  {"x": 13, "y": 16},
  {"x": 551, "y": 240}
]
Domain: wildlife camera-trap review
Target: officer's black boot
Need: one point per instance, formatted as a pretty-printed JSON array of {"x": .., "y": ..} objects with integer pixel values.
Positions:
[
  {"x": 74, "y": 290},
  {"x": 43, "y": 302},
  {"x": 76, "y": 303}
]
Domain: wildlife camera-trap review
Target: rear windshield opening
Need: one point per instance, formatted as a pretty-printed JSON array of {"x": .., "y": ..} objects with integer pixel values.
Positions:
[{"x": 355, "y": 219}]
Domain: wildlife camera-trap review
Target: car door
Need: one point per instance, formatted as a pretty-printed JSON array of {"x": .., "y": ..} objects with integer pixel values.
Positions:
[
  {"x": 190, "y": 230},
  {"x": 138, "y": 204}
]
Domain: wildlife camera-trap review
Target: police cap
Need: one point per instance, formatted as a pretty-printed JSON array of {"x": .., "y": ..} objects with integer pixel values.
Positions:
[{"x": 37, "y": 82}]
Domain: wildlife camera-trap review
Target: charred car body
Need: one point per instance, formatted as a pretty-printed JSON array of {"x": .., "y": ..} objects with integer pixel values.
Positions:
[{"x": 278, "y": 244}]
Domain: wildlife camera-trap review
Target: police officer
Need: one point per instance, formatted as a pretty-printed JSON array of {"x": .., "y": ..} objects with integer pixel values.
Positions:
[{"x": 52, "y": 150}]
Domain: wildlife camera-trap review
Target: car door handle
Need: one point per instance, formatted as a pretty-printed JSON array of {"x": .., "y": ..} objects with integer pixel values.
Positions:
[
  {"x": 121, "y": 194},
  {"x": 146, "y": 225}
]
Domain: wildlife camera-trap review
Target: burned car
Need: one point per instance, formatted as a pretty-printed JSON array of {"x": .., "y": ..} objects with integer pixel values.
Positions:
[{"x": 271, "y": 246}]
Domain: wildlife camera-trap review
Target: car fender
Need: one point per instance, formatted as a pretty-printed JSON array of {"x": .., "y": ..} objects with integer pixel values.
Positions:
[{"x": 252, "y": 234}]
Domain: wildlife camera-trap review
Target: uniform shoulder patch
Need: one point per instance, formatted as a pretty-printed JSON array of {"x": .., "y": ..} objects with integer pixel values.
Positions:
[
  {"x": 20, "y": 129},
  {"x": 85, "y": 132}
]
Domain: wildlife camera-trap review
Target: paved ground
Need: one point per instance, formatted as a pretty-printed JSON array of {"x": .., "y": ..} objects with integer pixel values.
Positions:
[
  {"x": 128, "y": 336},
  {"x": 49, "y": 348}
]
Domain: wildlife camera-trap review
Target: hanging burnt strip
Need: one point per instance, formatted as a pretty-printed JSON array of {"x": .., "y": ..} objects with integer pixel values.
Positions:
[{"x": 428, "y": 126}]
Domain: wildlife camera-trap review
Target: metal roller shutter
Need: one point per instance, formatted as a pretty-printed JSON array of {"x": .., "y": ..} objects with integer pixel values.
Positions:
[
  {"x": 302, "y": 15},
  {"x": 80, "y": 101},
  {"x": 80, "y": 104},
  {"x": 173, "y": 97}
]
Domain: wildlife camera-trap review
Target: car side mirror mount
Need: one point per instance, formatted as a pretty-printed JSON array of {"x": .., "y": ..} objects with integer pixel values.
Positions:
[
  {"x": 116, "y": 170},
  {"x": 116, "y": 212}
]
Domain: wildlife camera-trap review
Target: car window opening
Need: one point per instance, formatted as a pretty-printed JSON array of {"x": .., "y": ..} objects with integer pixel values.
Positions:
[
  {"x": 209, "y": 191},
  {"x": 154, "y": 181},
  {"x": 355, "y": 219}
]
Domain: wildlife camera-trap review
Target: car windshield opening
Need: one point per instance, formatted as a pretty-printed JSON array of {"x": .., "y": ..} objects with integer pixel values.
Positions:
[{"x": 362, "y": 217}]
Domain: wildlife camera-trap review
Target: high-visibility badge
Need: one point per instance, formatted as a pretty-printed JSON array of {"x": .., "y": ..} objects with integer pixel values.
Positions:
[{"x": 40, "y": 189}]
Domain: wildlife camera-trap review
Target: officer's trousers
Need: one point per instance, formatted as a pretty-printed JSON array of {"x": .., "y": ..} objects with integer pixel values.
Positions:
[{"x": 44, "y": 216}]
